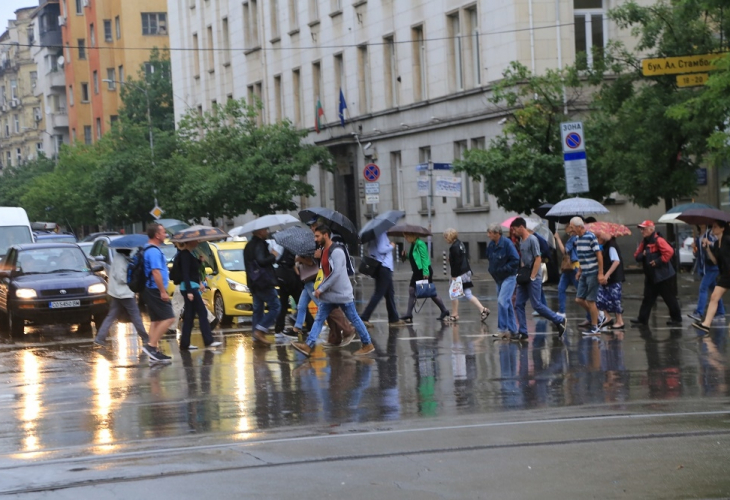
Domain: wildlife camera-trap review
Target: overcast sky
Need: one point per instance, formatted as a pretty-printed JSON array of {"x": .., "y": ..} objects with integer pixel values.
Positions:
[{"x": 8, "y": 7}]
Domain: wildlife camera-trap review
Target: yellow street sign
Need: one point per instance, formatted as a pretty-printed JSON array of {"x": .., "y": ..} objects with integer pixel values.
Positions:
[
  {"x": 678, "y": 65},
  {"x": 156, "y": 212},
  {"x": 692, "y": 80}
]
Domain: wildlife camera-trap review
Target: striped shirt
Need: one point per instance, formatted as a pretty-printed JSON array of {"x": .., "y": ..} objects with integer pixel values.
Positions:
[{"x": 586, "y": 247}]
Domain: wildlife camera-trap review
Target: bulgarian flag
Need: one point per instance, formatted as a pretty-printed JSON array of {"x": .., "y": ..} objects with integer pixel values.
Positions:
[{"x": 318, "y": 114}]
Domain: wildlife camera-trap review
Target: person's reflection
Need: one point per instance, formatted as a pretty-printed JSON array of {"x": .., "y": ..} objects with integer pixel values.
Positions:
[
  {"x": 713, "y": 365},
  {"x": 424, "y": 357},
  {"x": 512, "y": 397},
  {"x": 663, "y": 369},
  {"x": 388, "y": 377},
  {"x": 266, "y": 403},
  {"x": 615, "y": 385},
  {"x": 198, "y": 409},
  {"x": 338, "y": 384},
  {"x": 362, "y": 378}
]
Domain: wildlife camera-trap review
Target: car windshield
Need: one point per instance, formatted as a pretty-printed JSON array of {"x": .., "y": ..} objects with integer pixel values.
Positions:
[
  {"x": 13, "y": 235},
  {"x": 51, "y": 260},
  {"x": 231, "y": 260},
  {"x": 168, "y": 251},
  {"x": 86, "y": 246}
]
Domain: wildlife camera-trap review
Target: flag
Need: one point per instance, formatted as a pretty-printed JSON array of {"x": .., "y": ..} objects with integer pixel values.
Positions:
[
  {"x": 318, "y": 113},
  {"x": 343, "y": 106}
]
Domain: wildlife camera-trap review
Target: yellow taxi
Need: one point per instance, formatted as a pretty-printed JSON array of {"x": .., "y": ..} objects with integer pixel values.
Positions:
[{"x": 226, "y": 293}]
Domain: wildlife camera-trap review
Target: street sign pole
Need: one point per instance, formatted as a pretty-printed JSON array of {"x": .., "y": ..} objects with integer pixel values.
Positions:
[{"x": 430, "y": 204}]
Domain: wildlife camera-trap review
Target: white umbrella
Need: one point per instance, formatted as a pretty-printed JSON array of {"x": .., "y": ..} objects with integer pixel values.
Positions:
[
  {"x": 577, "y": 206},
  {"x": 274, "y": 221},
  {"x": 670, "y": 218}
]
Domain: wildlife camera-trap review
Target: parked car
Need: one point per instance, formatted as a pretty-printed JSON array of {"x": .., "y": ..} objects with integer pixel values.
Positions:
[
  {"x": 94, "y": 236},
  {"x": 41, "y": 237},
  {"x": 686, "y": 256},
  {"x": 227, "y": 294},
  {"x": 50, "y": 283},
  {"x": 86, "y": 247}
]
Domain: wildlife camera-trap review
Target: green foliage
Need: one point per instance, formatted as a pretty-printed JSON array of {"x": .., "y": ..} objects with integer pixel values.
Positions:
[
  {"x": 16, "y": 179},
  {"x": 155, "y": 84}
]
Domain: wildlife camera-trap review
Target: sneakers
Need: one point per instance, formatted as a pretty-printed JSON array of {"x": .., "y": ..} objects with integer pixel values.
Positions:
[
  {"x": 190, "y": 348},
  {"x": 409, "y": 319},
  {"x": 302, "y": 347},
  {"x": 594, "y": 330},
  {"x": 562, "y": 327},
  {"x": 606, "y": 323},
  {"x": 367, "y": 323},
  {"x": 364, "y": 350},
  {"x": 214, "y": 344},
  {"x": 157, "y": 357},
  {"x": 518, "y": 337},
  {"x": 99, "y": 344},
  {"x": 259, "y": 336},
  {"x": 695, "y": 316},
  {"x": 148, "y": 350},
  {"x": 289, "y": 333},
  {"x": 535, "y": 313},
  {"x": 562, "y": 315},
  {"x": 400, "y": 322},
  {"x": 347, "y": 339}
]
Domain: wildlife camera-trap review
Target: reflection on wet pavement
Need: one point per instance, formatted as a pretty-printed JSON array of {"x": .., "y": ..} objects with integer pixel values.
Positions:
[{"x": 57, "y": 392}]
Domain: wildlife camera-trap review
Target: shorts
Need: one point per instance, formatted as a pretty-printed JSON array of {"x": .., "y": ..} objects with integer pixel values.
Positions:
[
  {"x": 158, "y": 309},
  {"x": 723, "y": 281},
  {"x": 588, "y": 287}
]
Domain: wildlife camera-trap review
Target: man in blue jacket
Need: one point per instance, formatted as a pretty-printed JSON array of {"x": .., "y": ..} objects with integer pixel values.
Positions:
[{"x": 503, "y": 265}]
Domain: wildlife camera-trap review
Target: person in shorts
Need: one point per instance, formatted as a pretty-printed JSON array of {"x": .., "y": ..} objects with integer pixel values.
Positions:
[
  {"x": 590, "y": 273},
  {"x": 155, "y": 293}
]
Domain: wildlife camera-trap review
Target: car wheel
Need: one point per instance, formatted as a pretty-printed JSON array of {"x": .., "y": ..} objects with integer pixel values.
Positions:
[
  {"x": 16, "y": 326},
  {"x": 219, "y": 309},
  {"x": 85, "y": 327}
]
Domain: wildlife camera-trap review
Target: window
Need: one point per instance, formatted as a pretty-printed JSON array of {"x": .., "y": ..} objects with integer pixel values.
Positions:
[
  {"x": 313, "y": 10},
  {"x": 472, "y": 190},
  {"x": 33, "y": 79},
  {"x": 274, "y": 20},
  {"x": 16, "y": 121},
  {"x": 19, "y": 156},
  {"x": 71, "y": 95},
  {"x": 37, "y": 114},
  {"x": 293, "y": 16},
  {"x": 92, "y": 36},
  {"x": 113, "y": 119},
  {"x": 591, "y": 29},
  {"x": 395, "y": 179},
  {"x": 79, "y": 7},
  {"x": 58, "y": 142},
  {"x": 9, "y": 157},
  {"x": 335, "y": 6},
  {"x": 196, "y": 56},
  {"x": 108, "y": 30},
  {"x": 118, "y": 27},
  {"x": 84, "y": 92},
  {"x": 111, "y": 75},
  {"x": 51, "y": 63},
  {"x": 81, "y": 43},
  {"x": 297, "y": 92},
  {"x": 39, "y": 147},
  {"x": 456, "y": 56},
  {"x": 226, "y": 53},
  {"x": 210, "y": 54},
  {"x": 363, "y": 78},
  {"x": 149, "y": 69},
  {"x": 98, "y": 128},
  {"x": 339, "y": 76},
  {"x": 316, "y": 81},
  {"x": 419, "y": 64},
  {"x": 7, "y": 128},
  {"x": 13, "y": 89},
  {"x": 251, "y": 24},
  {"x": 87, "y": 134},
  {"x": 278, "y": 103},
  {"x": 121, "y": 74},
  {"x": 476, "y": 58},
  {"x": 95, "y": 79},
  {"x": 73, "y": 135},
  {"x": 391, "y": 72},
  {"x": 424, "y": 156},
  {"x": 154, "y": 23}
]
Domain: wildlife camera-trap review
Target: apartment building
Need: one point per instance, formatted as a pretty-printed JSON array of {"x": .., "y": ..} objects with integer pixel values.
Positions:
[
  {"x": 50, "y": 87},
  {"x": 21, "y": 115},
  {"x": 105, "y": 41},
  {"x": 415, "y": 75}
]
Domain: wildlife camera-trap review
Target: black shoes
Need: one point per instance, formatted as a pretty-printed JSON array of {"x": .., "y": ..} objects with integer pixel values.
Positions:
[
  {"x": 674, "y": 322},
  {"x": 444, "y": 315},
  {"x": 637, "y": 322}
]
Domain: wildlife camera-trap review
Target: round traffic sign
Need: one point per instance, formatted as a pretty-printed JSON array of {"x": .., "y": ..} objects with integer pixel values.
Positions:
[
  {"x": 572, "y": 140},
  {"x": 371, "y": 172}
]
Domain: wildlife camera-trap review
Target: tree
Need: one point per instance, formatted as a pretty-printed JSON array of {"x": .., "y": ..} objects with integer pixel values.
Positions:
[
  {"x": 16, "y": 179},
  {"x": 234, "y": 164},
  {"x": 651, "y": 153},
  {"x": 523, "y": 167}
]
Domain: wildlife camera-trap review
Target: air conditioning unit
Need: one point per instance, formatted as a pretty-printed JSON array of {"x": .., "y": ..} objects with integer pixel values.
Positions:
[
  {"x": 85, "y": 3},
  {"x": 14, "y": 103},
  {"x": 62, "y": 20}
]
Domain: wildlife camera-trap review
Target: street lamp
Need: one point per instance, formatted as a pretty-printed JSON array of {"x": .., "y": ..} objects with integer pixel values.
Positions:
[{"x": 149, "y": 114}]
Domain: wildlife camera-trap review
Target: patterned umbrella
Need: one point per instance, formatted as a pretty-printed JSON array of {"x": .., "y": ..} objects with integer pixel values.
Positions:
[
  {"x": 612, "y": 229},
  {"x": 296, "y": 239},
  {"x": 403, "y": 229},
  {"x": 199, "y": 233},
  {"x": 577, "y": 206}
]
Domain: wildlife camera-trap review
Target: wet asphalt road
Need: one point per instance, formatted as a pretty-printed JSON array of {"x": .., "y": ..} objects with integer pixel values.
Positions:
[{"x": 79, "y": 418}]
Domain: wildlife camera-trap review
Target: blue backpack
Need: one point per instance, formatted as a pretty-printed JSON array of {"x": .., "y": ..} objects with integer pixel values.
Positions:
[{"x": 136, "y": 277}]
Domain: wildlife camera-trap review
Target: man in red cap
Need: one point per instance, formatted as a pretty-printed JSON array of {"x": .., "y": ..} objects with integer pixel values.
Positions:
[{"x": 656, "y": 254}]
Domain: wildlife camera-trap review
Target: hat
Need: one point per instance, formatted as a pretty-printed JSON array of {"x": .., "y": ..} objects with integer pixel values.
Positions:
[{"x": 646, "y": 223}]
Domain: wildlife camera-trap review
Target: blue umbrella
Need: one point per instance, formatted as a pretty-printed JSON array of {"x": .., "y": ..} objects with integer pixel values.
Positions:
[
  {"x": 688, "y": 206},
  {"x": 130, "y": 241}
]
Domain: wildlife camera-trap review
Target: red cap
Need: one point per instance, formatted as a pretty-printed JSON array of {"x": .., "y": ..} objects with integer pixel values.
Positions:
[{"x": 646, "y": 223}]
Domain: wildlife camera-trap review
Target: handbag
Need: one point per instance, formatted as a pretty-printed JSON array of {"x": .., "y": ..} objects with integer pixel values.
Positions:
[
  {"x": 369, "y": 266},
  {"x": 308, "y": 273},
  {"x": 456, "y": 289},
  {"x": 425, "y": 290},
  {"x": 258, "y": 275},
  {"x": 566, "y": 265},
  {"x": 524, "y": 275}
]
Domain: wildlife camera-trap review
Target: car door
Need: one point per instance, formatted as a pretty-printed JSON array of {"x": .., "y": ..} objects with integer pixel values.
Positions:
[{"x": 8, "y": 265}]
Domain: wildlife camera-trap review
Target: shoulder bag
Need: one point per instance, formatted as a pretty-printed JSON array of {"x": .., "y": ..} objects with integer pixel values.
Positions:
[
  {"x": 369, "y": 266},
  {"x": 523, "y": 275}
]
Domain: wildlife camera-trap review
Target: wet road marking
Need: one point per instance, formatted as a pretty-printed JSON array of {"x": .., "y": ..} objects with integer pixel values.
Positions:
[{"x": 417, "y": 338}]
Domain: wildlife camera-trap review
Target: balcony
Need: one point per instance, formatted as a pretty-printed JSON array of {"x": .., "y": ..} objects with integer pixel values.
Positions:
[
  {"x": 56, "y": 78},
  {"x": 51, "y": 38},
  {"x": 59, "y": 119}
]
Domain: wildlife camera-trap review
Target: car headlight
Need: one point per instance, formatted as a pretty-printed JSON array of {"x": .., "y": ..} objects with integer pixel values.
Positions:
[
  {"x": 26, "y": 293},
  {"x": 97, "y": 288},
  {"x": 236, "y": 286}
]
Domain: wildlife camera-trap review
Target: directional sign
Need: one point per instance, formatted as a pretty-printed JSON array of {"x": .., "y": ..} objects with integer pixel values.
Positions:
[
  {"x": 372, "y": 188},
  {"x": 442, "y": 166},
  {"x": 678, "y": 65},
  {"x": 371, "y": 172}
]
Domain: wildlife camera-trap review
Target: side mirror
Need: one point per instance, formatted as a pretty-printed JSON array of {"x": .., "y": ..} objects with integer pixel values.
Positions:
[
  {"x": 209, "y": 270},
  {"x": 99, "y": 258},
  {"x": 96, "y": 268}
]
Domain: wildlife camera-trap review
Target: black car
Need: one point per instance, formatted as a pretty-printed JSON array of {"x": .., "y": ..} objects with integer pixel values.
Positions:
[{"x": 51, "y": 283}]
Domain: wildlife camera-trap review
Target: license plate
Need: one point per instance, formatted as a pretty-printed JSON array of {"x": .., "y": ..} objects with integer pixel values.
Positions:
[{"x": 65, "y": 303}]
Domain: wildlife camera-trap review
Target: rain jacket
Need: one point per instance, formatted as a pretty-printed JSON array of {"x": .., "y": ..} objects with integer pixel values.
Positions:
[
  {"x": 654, "y": 248},
  {"x": 420, "y": 260}
]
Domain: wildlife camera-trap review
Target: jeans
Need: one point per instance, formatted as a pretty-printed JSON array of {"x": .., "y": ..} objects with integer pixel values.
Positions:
[
  {"x": 567, "y": 278},
  {"x": 707, "y": 285},
  {"x": 305, "y": 297},
  {"x": 505, "y": 310},
  {"x": 533, "y": 292},
  {"x": 115, "y": 309},
  {"x": 383, "y": 288},
  {"x": 196, "y": 306},
  {"x": 259, "y": 320},
  {"x": 325, "y": 308}
]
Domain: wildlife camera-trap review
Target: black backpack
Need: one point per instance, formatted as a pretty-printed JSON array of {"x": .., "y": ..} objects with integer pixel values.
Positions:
[
  {"x": 176, "y": 271},
  {"x": 545, "y": 252},
  {"x": 136, "y": 278}
]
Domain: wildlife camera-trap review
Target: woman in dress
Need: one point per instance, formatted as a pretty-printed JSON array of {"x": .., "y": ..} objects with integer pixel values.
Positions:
[
  {"x": 459, "y": 263},
  {"x": 719, "y": 254},
  {"x": 421, "y": 267}
]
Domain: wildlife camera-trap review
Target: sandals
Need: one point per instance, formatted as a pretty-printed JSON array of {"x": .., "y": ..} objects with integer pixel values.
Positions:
[
  {"x": 484, "y": 315},
  {"x": 407, "y": 319},
  {"x": 452, "y": 319}
]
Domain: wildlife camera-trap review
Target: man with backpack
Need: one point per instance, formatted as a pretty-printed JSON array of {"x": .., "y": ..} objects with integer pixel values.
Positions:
[
  {"x": 334, "y": 291},
  {"x": 155, "y": 293}
]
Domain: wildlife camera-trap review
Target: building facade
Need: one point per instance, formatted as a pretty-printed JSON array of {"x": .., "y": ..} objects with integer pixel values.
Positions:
[
  {"x": 105, "y": 41},
  {"x": 415, "y": 75},
  {"x": 21, "y": 113}
]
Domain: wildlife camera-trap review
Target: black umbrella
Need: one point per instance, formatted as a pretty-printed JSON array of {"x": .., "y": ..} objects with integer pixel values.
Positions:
[
  {"x": 543, "y": 209},
  {"x": 704, "y": 216},
  {"x": 296, "y": 239},
  {"x": 403, "y": 229},
  {"x": 380, "y": 224},
  {"x": 335, "y": 220}
]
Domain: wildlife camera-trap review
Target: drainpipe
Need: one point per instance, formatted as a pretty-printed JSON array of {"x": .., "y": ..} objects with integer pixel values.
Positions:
[{"x": 532, "y": 38}]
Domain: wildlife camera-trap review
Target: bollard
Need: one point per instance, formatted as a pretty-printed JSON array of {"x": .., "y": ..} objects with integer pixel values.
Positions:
[{"x": 444, "y": 258}]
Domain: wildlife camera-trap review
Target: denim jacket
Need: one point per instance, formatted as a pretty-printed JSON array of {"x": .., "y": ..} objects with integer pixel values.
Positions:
[{"x": 503, "y": 259}]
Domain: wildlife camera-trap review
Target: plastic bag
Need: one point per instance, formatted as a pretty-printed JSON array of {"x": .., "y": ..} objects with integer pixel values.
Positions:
[{"x": 456, "y": 289}]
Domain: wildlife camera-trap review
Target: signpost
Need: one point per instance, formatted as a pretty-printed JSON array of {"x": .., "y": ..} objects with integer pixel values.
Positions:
[
  {"x": 445, "y": 186},
  {"x": 371, "y": 173},
  {"x": 574, "y": 157}
]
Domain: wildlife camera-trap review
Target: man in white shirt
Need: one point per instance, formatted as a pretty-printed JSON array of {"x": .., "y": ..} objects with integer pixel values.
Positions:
[{"x": 381, "y": 249}]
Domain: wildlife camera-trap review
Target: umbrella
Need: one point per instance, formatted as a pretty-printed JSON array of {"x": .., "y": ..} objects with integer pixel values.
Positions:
[
  {"x": 297, "y": 240},
  {"x": 403, "y": 229},
  {"x": 671, "y": 216},
  {"x": 380, "y": 224},
  {"x": 531, "y": 223},
  {"x": 129, "y": 241},
  {"x": 577, "y": 206},
  {"x": 543, "y": 209},
  {"x": 267, "y": 221},
  {"x": 704, "y": 216},
  {"x": 534, "y": 225},
  {"x": 199, "y": 233},
  {"x": 335, "y": 220},
  {"x": 612, "y": 229}
]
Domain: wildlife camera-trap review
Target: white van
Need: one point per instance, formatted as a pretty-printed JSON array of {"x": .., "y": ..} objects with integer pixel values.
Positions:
[{"x": 14, "y": 228}]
